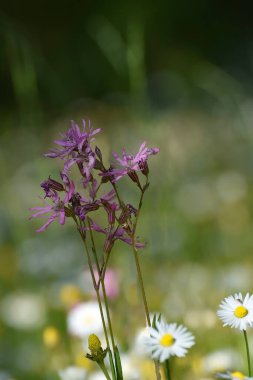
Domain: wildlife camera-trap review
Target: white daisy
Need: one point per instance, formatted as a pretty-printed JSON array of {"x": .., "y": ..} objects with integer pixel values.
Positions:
[
  {"x": 237, "y": 312},
  {"x": 233, "y": 376},
  {"x": 168, "y": 340}
]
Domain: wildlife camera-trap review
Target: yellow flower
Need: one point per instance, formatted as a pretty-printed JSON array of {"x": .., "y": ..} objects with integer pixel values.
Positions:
[
  {"x": 70, "y": 295},
  {"x": 51, "y": 336}
]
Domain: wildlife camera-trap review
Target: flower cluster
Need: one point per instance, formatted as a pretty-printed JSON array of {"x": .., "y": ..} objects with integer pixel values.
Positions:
[
  {"x": 80, "y": 199},
  {"x": 84, "y": 201}
]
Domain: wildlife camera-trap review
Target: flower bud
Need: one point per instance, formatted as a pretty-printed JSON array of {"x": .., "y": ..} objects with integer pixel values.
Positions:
[
  {"x": 50, "y": 186},
  {"x": 98, "y": 165},
  {"x": 98, "y": 153},
  {"x": 143, "y": 165},
  {"x": 97, "y": 353},
  {"x": 124, "y": 215},
  {"x": 94, "y": 344},
  {"x": 133, "y": 175}
]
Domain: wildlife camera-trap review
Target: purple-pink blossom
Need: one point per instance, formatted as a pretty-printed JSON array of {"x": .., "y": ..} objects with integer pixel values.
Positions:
[
  {"x": 128, "y": 162},
  {"x": 111, "y": 282},
  {"x": 75, "y": 148},
  {"x": 57, "y": 210},
  {"x": 74, "y": 140},
  {"x": 112, "y": 234}
]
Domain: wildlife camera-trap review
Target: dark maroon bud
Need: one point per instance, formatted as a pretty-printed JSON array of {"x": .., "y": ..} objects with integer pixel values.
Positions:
[
  {"x": 68, "y": 211},
  {"x": 110, "y": 211},
  {"x": 91, "y": 207},
  {"x": 105, "y": 203},
  {"x": 98, "y": 153},
  {"x": 79, "y": 211},
  {"x": 75, "y": 199},
  {"x": 143, "y": 165},
  {"x": 51, "y": 184},
  {"x": 132, "y": 210},
  {"x": 133, "y": 175},
  {"x": 108, "y": 177},
  {"x": 105, "y": 179},
  {"x": 80, "y": 167},
  {"x": 124, "y": 216},
  {"x": 98, "y": 165}
]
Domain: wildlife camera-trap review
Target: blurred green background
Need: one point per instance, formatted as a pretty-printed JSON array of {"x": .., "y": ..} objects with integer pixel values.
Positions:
[{"x": 177, "y": 74}]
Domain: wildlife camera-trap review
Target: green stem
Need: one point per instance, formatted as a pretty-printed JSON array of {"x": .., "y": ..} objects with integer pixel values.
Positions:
[
  {"x": 247, "y": 349},
  {"x": 136, "y": 258},
  {"x": 108, "y": 313},
  {"x": 140, "y": 278},
  {"x": 103, "y": 367},
  {"x": 93, "y": 247},
  {"x": 157, "y": 369},
  {"x": 144, "y": 298},
  {"x": 167, "y": 369},
  {"x": 101, "y": 280},
  {"x": 98, "y": 299}
]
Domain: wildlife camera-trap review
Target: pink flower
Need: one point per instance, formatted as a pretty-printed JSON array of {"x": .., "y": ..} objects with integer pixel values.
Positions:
[
  {"x": 111, "y": 282},
  {"x": 56, "y": 211},
  {"x": 129, "y": 163}
]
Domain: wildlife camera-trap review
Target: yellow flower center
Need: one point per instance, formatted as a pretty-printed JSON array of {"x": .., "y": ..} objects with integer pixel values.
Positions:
[
  {"x": 240, "y": 312},
  {"x": 238, "y": 375},
  {"x": 167, "y": 340}
]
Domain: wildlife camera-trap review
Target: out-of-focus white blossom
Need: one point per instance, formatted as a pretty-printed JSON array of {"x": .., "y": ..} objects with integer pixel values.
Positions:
[
  {"x": 23, "y": 311},
  {"x": 84, "y": 319}
]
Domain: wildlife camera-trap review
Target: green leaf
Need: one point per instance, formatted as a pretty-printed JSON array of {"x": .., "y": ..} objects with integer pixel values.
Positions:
[
  {"x": 153, "y": 324},
  {"x": 118, "y": 364}
]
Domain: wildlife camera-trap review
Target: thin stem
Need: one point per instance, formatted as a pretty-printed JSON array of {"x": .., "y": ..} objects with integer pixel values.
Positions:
[
  {"x": 103, "y": 290},
  {"x": 247, "y": 349},
  {"x": 103, "y": 367},
  {"x": 93, "y": 247},
  {"x": 98, "y": 298},
  {"x": 108, "y": 313},
  {"x": 138, "y": 268},
  {"x": 135, "y": 251},
  {"x": 117, "y": 194},
  {"x": 143, "y": 189},
  {"x": 97, "y": 292},
  {"x": 167, "y": 369}
]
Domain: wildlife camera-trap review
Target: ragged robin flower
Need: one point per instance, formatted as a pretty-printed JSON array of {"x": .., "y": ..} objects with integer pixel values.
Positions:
[{"x": 129, "y": 163}]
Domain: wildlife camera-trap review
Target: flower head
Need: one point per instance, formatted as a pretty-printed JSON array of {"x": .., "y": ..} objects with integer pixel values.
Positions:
[
  {"x": 237, "y": 312},
  {"x": 129, "y": 163},
  {"x": 74, "y": 140},
  {"x": 233, "y": 376},
  {"x": 57, "y": 210},
  {"x": 112, "y": 234},
  {"x": 75, "y": 148},
  {"x": 166, "y": 340}
]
